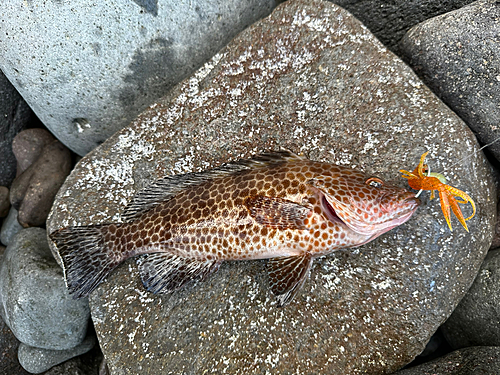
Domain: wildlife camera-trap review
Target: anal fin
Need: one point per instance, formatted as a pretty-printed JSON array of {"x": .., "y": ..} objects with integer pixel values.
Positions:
[
  {"x": 287, "y": 275},
  {"x": 164, "y": 273}
]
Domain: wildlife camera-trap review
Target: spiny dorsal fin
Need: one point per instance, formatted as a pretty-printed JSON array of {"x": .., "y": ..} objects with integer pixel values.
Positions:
[
  {"x": 287, "y": 275},
  {"x": 169, "y": 186},
  {"x": 277, "y": 213},
  {"x": 165, "y": 273}
]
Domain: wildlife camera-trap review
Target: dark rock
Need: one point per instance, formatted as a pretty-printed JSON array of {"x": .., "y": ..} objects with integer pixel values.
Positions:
[
  {"x": 390, "y": 20},
  {"x": 9, "y": 365},
  {"x": 475, "y": 320},
  {"x": 28, "y": 146},
  {"x": 34, "y": 301},
  {"x": 495, "y": 243},
  {"x": 14, "y": 117},
  {"x": 457, "y": 56},
  {"x": 4, "y": 201},
  {"x": 117, "y": 58},
  {"x": 312, "y": 79},
  {"x": 33, "y": 192},
  {"x": 36, "y": 360},
  {"x": 10, "y": 227},
  {"x": 479, "y": 360}
]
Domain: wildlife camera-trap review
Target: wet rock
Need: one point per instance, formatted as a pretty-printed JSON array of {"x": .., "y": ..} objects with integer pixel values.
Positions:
[
  {"x": 34, "y": 300},
  {"x": 118, "y": 57},
  {"x": 475, "y": 320},
  {"x": 390, "y": 20},
  {"x": 468, "y": 361},
  {"x": 14, "y": 117},
  {"x": 33, "y": 192},
  {"x": 4, "y": 201},
  {"x": 10, "y": 227},
  {"x": 36, "y": 360},
  {"x": 312, "y": 79},
  {"x": 457, "y": 55},
  {"x": 28, "y": 146}
]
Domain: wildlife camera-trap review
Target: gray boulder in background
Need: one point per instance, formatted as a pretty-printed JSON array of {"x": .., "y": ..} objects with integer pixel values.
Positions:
[
  {"x": 458, "y": 56},
  {"x": 390, "y": 20},
  {"x": 475, "y": 320},
  {"x": 34, "y": 301},
  {"x": 88, "y": 68}
]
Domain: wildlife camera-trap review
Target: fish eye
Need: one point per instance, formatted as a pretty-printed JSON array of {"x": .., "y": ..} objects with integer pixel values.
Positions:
[{"x": 374, "y": 182}]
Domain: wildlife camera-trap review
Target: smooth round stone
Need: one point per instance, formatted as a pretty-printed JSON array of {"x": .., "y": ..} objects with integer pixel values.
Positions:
[
  {"x": 34, "y": 301},
  {"x": 37, "y": 360},
  {"x": 10, "y": 227},
  {"x": 28, "y": 145},
  {"x": 456, "y": 55},
  {"x": 33, "y": 191},
  {"x": 88, "y": 68}
]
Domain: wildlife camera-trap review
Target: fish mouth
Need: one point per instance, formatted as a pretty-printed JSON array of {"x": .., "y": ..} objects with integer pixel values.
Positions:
[{"x": 408, "y": 202}]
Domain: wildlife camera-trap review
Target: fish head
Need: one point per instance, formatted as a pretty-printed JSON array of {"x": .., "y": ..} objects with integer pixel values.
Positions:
[{"x": 367, "y": 205}]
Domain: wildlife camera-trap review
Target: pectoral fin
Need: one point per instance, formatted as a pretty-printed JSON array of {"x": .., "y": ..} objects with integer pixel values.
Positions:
[
  {"x": 164, "y": 273},
  {"x": 277, "y": 213},
  {"x": 287, "y": 275}
]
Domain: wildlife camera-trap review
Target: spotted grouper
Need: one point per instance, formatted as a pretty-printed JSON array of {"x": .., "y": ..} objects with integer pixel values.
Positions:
[{"x": 277, "y": 206}]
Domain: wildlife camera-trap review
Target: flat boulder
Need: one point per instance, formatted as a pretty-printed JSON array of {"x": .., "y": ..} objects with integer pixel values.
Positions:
[{"x": 309, "y": 78}]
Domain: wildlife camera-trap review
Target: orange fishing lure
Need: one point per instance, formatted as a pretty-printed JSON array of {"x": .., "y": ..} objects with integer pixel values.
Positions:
[{"x": 422, "y": 179}]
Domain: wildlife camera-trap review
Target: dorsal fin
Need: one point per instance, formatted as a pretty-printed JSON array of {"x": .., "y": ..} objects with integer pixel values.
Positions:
[{"x": 169, "y": 186}]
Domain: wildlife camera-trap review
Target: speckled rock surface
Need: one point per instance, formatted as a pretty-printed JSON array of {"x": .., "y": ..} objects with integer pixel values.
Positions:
[
  {"x": 457, "y": 55},
  {"x": 34, "y": 301},
  {"x": 475, "y": 320},
  {"x": 477, "y": 360},
  {"x": 312, "y": 79},
  {"x": 87, "y": 69}
]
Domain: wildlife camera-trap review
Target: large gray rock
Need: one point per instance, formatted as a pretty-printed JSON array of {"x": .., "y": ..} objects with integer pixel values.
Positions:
[
  {"x": 14, "y": 117},
  {"x": 475, "y": 320},
  {"x": 88, "y": 68},
  {"x": 312, "y": 79},
  {"x": 457, "y": 56},
  {"x": 390, "y": 20},
  {"x": 34, "y": 301},
  {"x": 478, "y": 360}
]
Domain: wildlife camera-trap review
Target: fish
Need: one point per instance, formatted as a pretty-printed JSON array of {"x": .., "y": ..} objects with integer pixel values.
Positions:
[{"x": 277, "y": 206}]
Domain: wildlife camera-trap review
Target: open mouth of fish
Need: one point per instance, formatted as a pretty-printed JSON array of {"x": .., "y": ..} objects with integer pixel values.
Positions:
[{"x": 409, "y": 204}]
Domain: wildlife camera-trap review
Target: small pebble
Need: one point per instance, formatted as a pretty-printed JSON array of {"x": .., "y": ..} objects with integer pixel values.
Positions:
[{"x": 28, "y": 145}]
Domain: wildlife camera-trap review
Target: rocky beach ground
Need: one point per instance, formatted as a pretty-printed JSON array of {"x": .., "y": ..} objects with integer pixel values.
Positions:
[{"x": 135, "y": 91}]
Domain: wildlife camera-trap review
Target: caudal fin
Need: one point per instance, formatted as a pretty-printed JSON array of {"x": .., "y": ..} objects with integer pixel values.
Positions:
[{"x": 86, "y": 258}]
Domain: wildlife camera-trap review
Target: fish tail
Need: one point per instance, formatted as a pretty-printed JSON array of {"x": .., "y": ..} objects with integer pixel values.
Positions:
[{"x": 87, "y": 258}]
